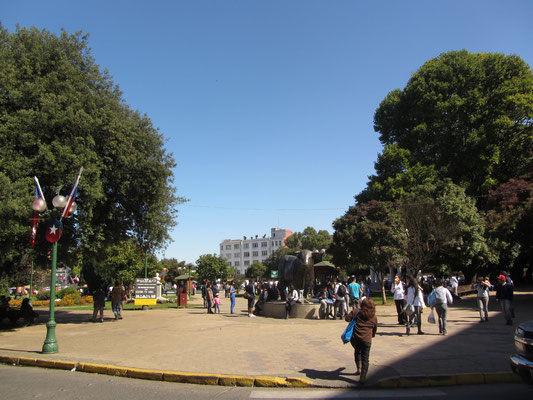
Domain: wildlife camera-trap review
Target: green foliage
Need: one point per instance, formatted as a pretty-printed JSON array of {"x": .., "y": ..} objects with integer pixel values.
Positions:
[
  {"x": 309, "y": 239},
  {"x": 60, "y": 111},
  {"x": 467, "y": 114},
  {"x": 211, "y": 267},
  {"x": 174, "y": 269},
  {"x": 43, "y": 295},
  {"x": 256, "y": 270},
  {"x": 68, "y": 290}
]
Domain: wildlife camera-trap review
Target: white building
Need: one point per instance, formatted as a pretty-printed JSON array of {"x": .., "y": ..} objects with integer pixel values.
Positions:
[{"x": 242, "y": 253}]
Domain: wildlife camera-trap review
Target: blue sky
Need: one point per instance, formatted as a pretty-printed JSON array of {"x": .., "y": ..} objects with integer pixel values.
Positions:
[{"x": 268, "y": 106}]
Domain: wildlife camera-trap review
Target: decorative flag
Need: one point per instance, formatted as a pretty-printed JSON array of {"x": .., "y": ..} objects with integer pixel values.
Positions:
[
  {"x": 54, "y": 228},
  {"x": 35, "y": 219},
  {"x": 72, "y": 195}
]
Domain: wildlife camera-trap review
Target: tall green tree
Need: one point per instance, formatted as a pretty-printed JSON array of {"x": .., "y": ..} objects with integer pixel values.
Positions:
[
  {"x": 256, "y": 270},
  {"x": 371, "y": 234},
  {"x": 211, "y": 267},
  {"x": 309, "y": 239},
  {"x": 59, "y": 111},
  {"x": 470, "y": 115}
]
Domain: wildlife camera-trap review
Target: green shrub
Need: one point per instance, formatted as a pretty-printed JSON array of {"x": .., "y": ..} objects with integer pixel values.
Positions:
[
  {"x": 68, "y": 290},
  {"x": 43, "y": 295}
]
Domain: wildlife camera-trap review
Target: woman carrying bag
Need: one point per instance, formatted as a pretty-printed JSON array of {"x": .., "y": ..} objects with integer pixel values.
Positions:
[
  {"x": 366, "y": 325},
  {"x": 415, "y": 301}
]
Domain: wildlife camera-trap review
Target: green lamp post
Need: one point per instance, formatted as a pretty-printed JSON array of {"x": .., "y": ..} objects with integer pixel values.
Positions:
[{"x": 62, "y": 207}]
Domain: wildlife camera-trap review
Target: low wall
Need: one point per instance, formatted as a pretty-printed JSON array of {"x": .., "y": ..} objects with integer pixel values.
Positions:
[{"x": 276, "y": 309}]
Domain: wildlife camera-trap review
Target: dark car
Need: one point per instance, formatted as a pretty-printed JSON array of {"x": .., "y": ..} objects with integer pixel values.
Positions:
[{"x": 522, "y": 360}]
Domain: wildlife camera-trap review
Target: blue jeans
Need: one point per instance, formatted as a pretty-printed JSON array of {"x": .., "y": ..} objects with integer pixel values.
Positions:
[
  {"x": 116, "y": 306},
  {"x": 442, "y": 312},
  {"x": 232, "y": 297}
]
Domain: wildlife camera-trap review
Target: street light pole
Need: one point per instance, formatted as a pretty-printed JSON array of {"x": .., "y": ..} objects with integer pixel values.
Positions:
[{"x": 50, "y": 343}]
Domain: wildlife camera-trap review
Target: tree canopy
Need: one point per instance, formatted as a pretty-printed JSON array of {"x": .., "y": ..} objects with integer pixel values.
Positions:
[
  {"x": 457, "y": 159},
  {"x": 470, "y": 115},
  {"x": 59, "y": 111},
  {"x": 211, "y": 267}
]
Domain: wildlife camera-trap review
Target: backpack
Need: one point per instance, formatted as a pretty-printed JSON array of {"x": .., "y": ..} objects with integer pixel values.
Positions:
[
  {"x": 432, "y": 298},
  {"x": 341, "y": 291}
]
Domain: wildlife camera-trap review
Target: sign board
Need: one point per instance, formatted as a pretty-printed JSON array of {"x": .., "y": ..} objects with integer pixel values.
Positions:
[
  {"x": 274, "y": 274},
  {"x": 145, "y": 292}
]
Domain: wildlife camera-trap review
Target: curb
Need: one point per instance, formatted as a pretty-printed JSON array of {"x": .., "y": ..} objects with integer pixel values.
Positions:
[
  {"x": 446, "y": 380},
  {"x": 156, "y": 375}
]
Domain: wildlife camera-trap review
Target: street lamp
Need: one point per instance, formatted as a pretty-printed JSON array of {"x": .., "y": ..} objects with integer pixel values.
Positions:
[{"x": 63, "y": 207}]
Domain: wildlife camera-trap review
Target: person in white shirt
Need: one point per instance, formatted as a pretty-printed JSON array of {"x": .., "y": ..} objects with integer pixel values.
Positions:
[
  {"x": 415, "y": 298},
  {"x": 443, "y": 297},
  {"x": 292, "y": 298},
  {"x": 398, "y": 290}
]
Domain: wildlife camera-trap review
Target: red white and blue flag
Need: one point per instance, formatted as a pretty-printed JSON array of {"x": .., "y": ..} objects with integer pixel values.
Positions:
[{"x": 72, "y": 196}]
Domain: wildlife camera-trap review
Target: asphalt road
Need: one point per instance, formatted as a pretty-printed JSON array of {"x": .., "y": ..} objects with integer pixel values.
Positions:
[{"x": 37, "y": 383}]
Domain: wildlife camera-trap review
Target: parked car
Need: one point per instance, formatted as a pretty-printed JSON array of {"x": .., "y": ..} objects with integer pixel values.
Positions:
[{"x": 522, "y": 360}]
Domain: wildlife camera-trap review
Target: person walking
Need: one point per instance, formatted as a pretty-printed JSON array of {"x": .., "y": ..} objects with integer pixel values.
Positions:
[
  {"x": 415, "y": 298},
  {"x": 504, "y": 295},
  {"x": 398, "y": 291},
  {"x": 232, "y": 293},
  {"x": 250, "y": 289},
  {"x": 340, "y": 293},
  {"x": 216, "y": 300},
  {"x": 366, "y": 325},
  {"x": 443, "y": 297},
  {"x": 354, "y": 291},
  {"x": 482, "y": 286},
  {"x": 209, "y": 298},
  {"x": 118, "y": 294},
  {"x": 98, "y": 304}
]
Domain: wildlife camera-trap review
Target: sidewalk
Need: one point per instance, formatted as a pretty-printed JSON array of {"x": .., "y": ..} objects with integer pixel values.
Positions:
[{"x": 192, "y": 346}]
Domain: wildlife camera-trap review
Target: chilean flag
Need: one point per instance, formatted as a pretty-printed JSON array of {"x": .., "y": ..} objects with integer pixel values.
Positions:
[
  {"x": 54, "y": 228},
  {"x": 72, "y": 196}
]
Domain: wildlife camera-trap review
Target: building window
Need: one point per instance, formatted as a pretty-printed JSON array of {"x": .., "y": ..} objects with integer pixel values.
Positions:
[
  {"x": 229, "y": 263},
  {"x": 246, "y": 263},
  {"x": 246, "y": 245},
  {"x": 221, "y": 247},
  {"x": 236, "y": 246},
  {"x": 264, "y": 244},
  {"x": 228, "y": 255},
  {"x": 255, "y": 253},
  {"x": 228, "y": 247},
  {"x": 264, "y": 253},
  {"x": 237, "y": 263},
  {"x": 246, "y": 254},
  {"x": 255, "y": 245},
  {"x": 236, "y": 255}
]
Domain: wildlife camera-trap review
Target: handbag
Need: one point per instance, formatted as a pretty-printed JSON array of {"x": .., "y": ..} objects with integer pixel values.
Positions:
[
  {"x": 247, "y": 295},
  {"x": 409, "y": 310},
  {"x": 431, "y": 317},
  {"x": 348, "y": 332}
]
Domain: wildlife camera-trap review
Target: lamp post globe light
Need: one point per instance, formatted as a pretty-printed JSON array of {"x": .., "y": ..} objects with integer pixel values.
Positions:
[{"x": 62, "y": 208}]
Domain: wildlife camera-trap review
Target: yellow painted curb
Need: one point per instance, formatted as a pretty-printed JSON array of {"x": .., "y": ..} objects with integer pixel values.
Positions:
[
  {"x": 413, "y": 381},
  {"x": 117, "y": 371},
  {"x": 270, "y": 381},
  {"x": 32, "y": 362},
  {"x": 298, "y": 382},
  {"x": 145, "y": 374},
  {"x": 235, "y": 380},
  {"x": 187, "y": 377},
  {"x": 441, "y": 380},
  {"x": 92, "y": 368},
  {"x": 388, "y": 383},
  {"x": 9, "y": 360}
]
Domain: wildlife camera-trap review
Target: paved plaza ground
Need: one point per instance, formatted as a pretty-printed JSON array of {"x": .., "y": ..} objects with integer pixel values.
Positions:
[{"x": 189, "y": 340}]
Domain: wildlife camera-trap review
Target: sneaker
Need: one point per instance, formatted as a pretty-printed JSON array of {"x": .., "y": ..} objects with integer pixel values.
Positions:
[{"x": 251, "y": 315}]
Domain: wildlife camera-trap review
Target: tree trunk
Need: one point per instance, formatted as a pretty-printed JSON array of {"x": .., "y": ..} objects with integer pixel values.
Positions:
[{"x": 383, "y": 293}]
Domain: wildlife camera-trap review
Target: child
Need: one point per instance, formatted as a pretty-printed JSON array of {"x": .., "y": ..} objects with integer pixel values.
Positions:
[{"x": 217, "y": 303}]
